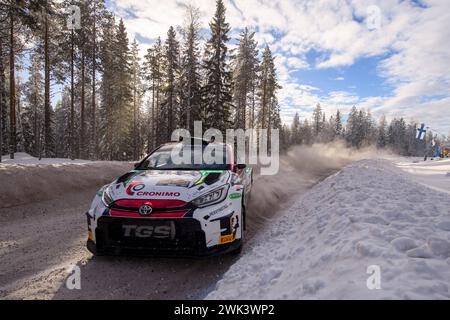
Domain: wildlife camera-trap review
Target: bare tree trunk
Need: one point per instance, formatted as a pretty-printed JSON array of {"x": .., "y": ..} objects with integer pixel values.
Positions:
[
  {"x": 94, "y": 66},
  {"x": 82, "y": 115},
  {"x": 151, "y": 140},
  {"x": 19, "y": 141},
  {"x": 2, "y": 97},
  {"x": 35, "y": 122},
  {"x": 12, "y": 91},
  {"x": 47, "y": 108},
  {"x": 135, "y": 135},
  {"x": 72, "y": 105},
  {"x": 188, "y": 111},
  {"x": 252, "y": 124},
  {"x": 158, "y": 113},
  {"x": 264, "y": 105}
]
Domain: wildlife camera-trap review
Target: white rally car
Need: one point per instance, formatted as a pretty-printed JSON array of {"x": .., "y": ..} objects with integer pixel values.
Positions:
[{"x": 166, "y": 208}]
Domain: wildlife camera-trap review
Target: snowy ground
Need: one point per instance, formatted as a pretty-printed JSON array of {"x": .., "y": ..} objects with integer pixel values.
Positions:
[
  {"x": 372, "y": 213},
  {"x": 25, "y": 158},
  {"x": 43, "y": 230},
  {"x": 26, "y": 179},
  {"x": 433, "y": 173}
]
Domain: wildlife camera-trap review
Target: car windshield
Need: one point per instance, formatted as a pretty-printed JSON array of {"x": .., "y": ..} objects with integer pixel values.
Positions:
[{"x": 187, "y": 157}]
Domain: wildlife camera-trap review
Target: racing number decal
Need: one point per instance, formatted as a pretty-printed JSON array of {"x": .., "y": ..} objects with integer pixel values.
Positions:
[{"x": 228, "y": 229}]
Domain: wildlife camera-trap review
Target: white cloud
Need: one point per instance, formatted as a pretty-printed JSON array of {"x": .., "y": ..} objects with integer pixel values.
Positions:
[{"x": 412, "y": 38}]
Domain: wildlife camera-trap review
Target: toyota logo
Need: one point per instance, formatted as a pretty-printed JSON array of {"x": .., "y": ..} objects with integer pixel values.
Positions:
[{"x": 145, "y": 210}]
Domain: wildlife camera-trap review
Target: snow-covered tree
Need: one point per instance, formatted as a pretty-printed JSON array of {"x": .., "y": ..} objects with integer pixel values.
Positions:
[
  {"x": 268, "y": 86},
  {"x": 136, "y": 85},
  {"x": 34, "y": 106},
  {"x": 245, "y": 67},
  {"x": 171, "y": 92},
  {"x": 296, "y": 137},
  {"x": 317, "y": 120},
  {"x": 190, "y": 79},
  {"x": 381, "y": 132},
  {"x": 217, "y": 88},
  {"x": 153, "y": 75},
  {"x": 338, "y": 128}
]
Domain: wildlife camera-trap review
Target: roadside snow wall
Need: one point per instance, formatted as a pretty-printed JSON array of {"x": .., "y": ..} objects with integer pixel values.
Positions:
[
  {"x": 331, "y": 241},
  {"x": 25, "y": 183}
]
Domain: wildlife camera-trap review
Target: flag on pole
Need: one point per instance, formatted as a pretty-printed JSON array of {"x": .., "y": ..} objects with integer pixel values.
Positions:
[{"x": 421, "y": 132}]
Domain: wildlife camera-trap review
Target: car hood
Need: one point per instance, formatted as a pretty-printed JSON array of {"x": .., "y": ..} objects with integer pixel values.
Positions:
[{"x": 165, "y": 184}]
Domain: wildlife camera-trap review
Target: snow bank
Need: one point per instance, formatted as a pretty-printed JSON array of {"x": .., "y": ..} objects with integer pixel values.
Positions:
[
  {"x": 25, "y": 158},
  {"x": 368, "y": 214},
  {"x": 51, "y": 178}
]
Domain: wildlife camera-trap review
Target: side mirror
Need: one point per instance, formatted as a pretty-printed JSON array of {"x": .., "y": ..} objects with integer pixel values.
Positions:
[
  {"x": 136, "y": 164},
  {"x": 241, "y": 166}
]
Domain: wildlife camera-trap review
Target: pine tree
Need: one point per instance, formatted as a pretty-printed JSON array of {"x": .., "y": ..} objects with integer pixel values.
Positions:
[
  {"x": 117, "y": 111},
  {"x": 338, "y": 124},
  {"x": 170, "y": 106},
  {"x": 381, "y": 133},
  {"x": 34, "y": 106},
  {"x": 296, "y": 138},
  {"x": 245, "y": 67},
  {"x": 317, "y": 120},
  {"x": 153, "y": 73},
  {"x": 107, "y": 90},
  {"x": 137, "y": 93},
  {"x": 2, "y": 82},
  {"x": 124, "y": 97},
  {"x": 47, "y": 29},
  {"x": 217, "y": 90},
  {"x": 352, "y": 127},
  {"x": 190, "y": 79},
  {"x": 95, "y": 18},
  {"x": 62, "y": 125},
  {"x": 268, "y": 87},
  {"x": 397, "y": 136},
  {"x": 306, "y": 132}
]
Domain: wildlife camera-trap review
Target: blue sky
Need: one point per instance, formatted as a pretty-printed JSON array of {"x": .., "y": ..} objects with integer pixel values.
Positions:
[{"x": 392, "y": 57}]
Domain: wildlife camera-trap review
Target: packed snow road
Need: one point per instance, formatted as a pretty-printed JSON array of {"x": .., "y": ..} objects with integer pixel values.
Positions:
[{"x": 43, "y": 237}]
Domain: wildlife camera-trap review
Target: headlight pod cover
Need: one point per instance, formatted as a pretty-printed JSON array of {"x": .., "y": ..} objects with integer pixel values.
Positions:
[
  {"x": 106, "y": 198},
  {"x": 212, "y": 197}
]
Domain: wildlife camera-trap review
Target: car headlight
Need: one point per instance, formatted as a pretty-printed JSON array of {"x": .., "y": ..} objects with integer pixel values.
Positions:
[
  {"x": 213, "y": 197},
  {"x": 106, "y": 197}
]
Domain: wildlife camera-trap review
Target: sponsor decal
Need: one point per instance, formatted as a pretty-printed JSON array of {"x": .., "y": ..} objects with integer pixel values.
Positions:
[
  {"x": 204, "y": 175},
  {"x": 229, "y": 227},
  {"x": 134, "y": 187},
  {"x": 219, "y": 210},
  {"x": 235, "y": 195},
  {"x": 157, "y": 232},
  {"x": 226, "y": 239},
  {"x": 158, "y": 194}
]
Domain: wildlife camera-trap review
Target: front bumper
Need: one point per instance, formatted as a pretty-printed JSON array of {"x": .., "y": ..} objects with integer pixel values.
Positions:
[{"x": 188, "y": 238}]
